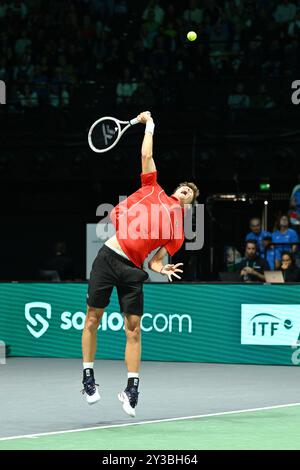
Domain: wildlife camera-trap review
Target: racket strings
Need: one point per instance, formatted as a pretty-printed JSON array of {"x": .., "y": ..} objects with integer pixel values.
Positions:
[
  {"x": 104, "y": 134},
  {"x": 109, "y": 133}
]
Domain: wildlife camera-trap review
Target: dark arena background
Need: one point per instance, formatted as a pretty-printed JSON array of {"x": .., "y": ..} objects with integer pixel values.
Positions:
[{"x": 226, "y": 108}]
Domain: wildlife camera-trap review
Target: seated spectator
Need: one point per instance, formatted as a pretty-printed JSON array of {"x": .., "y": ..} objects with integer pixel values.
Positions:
[
  {"x": 212, "y": 10},
  {"x": 121, "y": 8},
  {"x": 272, "y": 65},
  {"x": 255, "y": 54},
  {"x": 262, "y": 100},
  {"x": 257, "y": 234},
  {"x": 207, "y": 26},
  {"x": 170, "y": 33},
  {"x": 290, "y": 63},
  {"x": 28, "y": 98},
  {"x": 3, "y": 69},
  {"x": 156, "y": 12},
  {"x": 17, "y": 8},
  {"x": 288, "y": 268},
  {"x": 238, "y": 99},
  {"x": 61, "y": 262},
  {"x": 219, "y": 37},
  {"x": 23, "y": 70},
  {"x": 193, "y": 14},
  {"x": 294, "y": 26},
  {"x": 252, "y": 267},
  {"x": 144, "y": 94},
  {"x": 22, "y": 43},
  {"x": 88, "y": 30},
  {"x": 3, "y": 9},
  {"x": 146, "y": 37},
  {"x": 112, "y": 61},
  {"x": 54, "y": 99},
  {"x": 217, "y": 63},
  {"x": 284, "y": 235},
  {"x": 151, "y": 27},
  {"x": 285, "y": 12},
  {"x": 40, "y": 81},
  {"x": 269, "y": 250},
  {"x": 64, "y": 97},
  {"x": 233, "y": 10},
  {"x": 126, "y": 88},
  {"x": 159, "y": 57}
]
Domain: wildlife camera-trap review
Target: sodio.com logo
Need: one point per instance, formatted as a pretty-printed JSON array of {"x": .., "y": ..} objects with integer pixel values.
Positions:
[
  {"x": 270, "y": 325},
  {"x": 38, "y": 313}
]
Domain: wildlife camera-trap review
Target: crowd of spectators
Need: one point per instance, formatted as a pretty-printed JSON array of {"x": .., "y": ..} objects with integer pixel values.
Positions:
[
  {"x": 266, "y": 252},
  {"x": 134, "y": 48},
  {"x": 276, "y": 250}
]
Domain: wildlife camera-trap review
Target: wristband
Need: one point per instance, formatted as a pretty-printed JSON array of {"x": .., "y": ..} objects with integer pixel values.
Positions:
[{"x": 150, "y": 127}]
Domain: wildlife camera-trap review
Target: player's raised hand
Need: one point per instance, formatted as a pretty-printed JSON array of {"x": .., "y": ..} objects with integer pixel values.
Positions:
[
  {"x": 144, "y": 117},
  {"x": 171, "y": 270}
]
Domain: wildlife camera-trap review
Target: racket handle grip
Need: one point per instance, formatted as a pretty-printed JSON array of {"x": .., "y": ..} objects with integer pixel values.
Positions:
[{"x": 134, "y": 121}]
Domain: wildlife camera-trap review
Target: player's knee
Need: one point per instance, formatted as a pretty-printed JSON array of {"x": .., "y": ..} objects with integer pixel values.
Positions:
[
  {"x": 93, "y": 318},
  {"x": 133, "y": 333}
]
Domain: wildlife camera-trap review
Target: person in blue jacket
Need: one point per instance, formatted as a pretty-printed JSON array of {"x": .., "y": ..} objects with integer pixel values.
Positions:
[
  {"x": 269, "y": 251},
  {"x": 284, "y": 235},
  {"x": 256, "y": 234}
]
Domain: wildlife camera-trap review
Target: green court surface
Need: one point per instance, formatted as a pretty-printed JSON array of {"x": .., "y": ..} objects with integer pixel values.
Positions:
[{"x": 277, "y": 428}]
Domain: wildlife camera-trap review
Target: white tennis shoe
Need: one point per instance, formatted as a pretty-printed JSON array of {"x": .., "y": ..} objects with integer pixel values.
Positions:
[
  {"x": 129, "y": 398},
  {"x": 94, "y": 397},
  {"x": 90, "y": 388}
]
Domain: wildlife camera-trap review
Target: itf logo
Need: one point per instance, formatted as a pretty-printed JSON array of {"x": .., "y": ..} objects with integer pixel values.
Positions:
[
  {"x": 38, "y": 321},
  {"x": 270, "y": 325}
]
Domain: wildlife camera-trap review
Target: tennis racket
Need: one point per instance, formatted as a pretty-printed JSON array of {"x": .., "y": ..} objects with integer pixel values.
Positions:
[{"x": 106, "y": 132}]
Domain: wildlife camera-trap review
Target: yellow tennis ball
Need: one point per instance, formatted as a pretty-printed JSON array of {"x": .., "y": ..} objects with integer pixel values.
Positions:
[{"x": 191, "y": 35}]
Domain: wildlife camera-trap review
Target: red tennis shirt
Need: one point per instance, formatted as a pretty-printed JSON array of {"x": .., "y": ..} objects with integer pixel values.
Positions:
[{"x": 148, "y": 219}]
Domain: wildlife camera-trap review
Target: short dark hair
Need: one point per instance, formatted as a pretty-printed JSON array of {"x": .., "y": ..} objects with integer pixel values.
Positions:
[
  {"x": 290, "y": 255},
  {"x": 267, "y": 236},
  {"x": 193, "y": 188},
  {"x": 254, "y": 242}
]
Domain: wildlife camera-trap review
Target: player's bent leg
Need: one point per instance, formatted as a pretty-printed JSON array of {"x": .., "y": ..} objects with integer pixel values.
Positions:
[
  {"x": 89, "y": 345},
  {"x": 129, "y": 397}
]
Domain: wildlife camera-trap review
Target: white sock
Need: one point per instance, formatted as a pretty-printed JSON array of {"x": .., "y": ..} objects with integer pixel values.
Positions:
[
  {"x": 88, "y": 365},
  {"x": 133, "y": 375}
]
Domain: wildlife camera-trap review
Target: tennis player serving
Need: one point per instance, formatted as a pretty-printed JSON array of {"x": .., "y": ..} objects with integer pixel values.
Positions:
[{"x": 146, "y": 220}]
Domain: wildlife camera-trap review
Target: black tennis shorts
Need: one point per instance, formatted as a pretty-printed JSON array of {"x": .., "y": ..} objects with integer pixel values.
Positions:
[{"x": 111, "y": 270}]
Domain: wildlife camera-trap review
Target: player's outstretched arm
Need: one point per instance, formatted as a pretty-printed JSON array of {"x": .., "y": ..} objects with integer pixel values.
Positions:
[
  {"x": 168, "y": 269},
  {"x": 148, "y": 165}
]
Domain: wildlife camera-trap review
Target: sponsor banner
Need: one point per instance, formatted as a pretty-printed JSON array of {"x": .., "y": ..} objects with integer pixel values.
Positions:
[
  {"x": 38, "y": 324},
  {"x": 270, "y": 324},
  {"x": 182, "y": 322}
]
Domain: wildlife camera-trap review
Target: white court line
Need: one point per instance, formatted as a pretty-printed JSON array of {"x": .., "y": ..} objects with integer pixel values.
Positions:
[{"x": 149, "y": 422}]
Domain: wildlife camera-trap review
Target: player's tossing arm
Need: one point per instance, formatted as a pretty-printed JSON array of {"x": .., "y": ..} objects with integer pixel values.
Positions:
[
  {"x": 148, "y": 165},
  {"x": 168, "y": 269}
]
